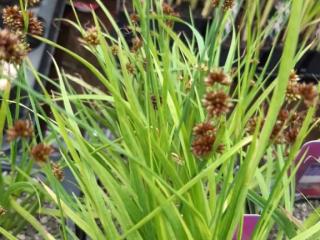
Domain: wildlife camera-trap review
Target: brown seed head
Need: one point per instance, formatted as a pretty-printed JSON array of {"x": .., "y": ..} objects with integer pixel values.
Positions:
[
  {"x": 292, "y": 93},
  {"x": 136, "y": 44},
  {"x": 204, "y": 137},
  {"x": 202, "y": 146},
  {"x": 228, "y": 4},
  {"x": 20, "y": 129},
  {"x": 91, "y": 36},
  {"x": 283, "y": 115},
  {"x": 217, "y": 103},
  {"x": 167, "y": 9},
  {"x": 297, "y": 119},
  {"x": 291, "y": 135},
  {"x": 13, "y": 20},
  {"x": 217, "y": 77},
  {"x": 276, "y": 134},
  {"x": 294, "y": 77},
  {"x": 12, "y": 50},
  {"x": 252, "y": 125},
  {"x": 57, "y": 171},
  {"x": 134, "y": 18},
  {"x": 309, "y": 93},
  {"x": 203, "y": 129},
  {"x": 41, "y": 152}
]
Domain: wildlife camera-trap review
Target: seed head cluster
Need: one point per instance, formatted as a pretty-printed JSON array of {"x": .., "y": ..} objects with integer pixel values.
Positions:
[
  {"x": 41, "y": 152},
  {"x": 309, "y": 93},
  {"x": 12, "y": 50},
  {"x": 137, "y": 43},
  {"x": 134, "y": 18},
  {"x": 228, "y": 4},
  {"x": 169, "y": 11},
  {"x": 13, "y": 20},
  {"x": 217, "y": 103},
  {"x": 91, "y": 36},
  {"x": 217, "y": 76},
  {"x": 20, "y": 129},
  {"x": 286, "y": 128},
  {"x": 301, "y": 91},
  {"x": 204, "y": 138},
  {"x": 57, "y": 171}
]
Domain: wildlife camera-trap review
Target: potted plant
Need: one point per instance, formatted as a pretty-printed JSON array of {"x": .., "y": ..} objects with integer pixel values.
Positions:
[{"x": 194, "y": 145}]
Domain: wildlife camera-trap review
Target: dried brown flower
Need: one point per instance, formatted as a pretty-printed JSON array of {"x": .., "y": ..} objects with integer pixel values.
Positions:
[
  {"x": 297, "y": 119},
  {"x": 167, "y": 9},
  {"x": 203, "y": 129},
  {"x": 134, "y": 18},
  {"x": 13, "y": 19},
  {"x": 204, "y": 137},
  {"x": 291, "y": 135},
  {"x": 217, "y": 103},
  {"x": 283, "y": 115},
  {"x": 57, "y": 171},
  {"x": 276, "y": 135},
  {"x": 251, "y": 125},
  {"x": 12, "y": 50},
  {"x": 202, "y": 146},
  {"x": 228, "y": 4},
  {"x": 91, "y": 36},
  {"x": 136, "y": 44},
  {"x": 292, "y": 93},
  {"x": 217, "y": 76},
  {"x": 41, "y": 152},
  {"x": 309, "y": 93},
  {"x": 20, "y": 129},
  {"x": 294, "y": 77}
]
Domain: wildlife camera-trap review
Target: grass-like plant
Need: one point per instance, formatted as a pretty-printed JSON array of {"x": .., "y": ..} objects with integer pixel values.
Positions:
[
  {"x": 179, "y": 147},
  {"x": 19, "y": 129}
]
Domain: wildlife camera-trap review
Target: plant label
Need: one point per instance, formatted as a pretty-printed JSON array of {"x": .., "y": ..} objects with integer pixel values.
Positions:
[
  {"x": 249, "y": 223},
  {"x": 308, "y": 175}
]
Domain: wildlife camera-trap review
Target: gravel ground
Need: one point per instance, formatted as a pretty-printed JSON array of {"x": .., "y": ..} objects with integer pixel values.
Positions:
[{"x": 302, "y": 210}]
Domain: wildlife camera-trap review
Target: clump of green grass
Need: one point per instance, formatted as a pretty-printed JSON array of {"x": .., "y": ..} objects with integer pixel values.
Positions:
[{"x": 179, "y": 147}]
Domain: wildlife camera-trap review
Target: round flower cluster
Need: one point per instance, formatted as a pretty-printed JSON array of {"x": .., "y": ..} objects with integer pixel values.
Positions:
[{"x": 217, "y": 103}]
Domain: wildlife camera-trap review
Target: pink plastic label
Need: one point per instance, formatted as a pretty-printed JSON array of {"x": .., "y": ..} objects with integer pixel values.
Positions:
[
  {"x": 249, "y": 223},
  {"x": 308, "y": 175}
]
